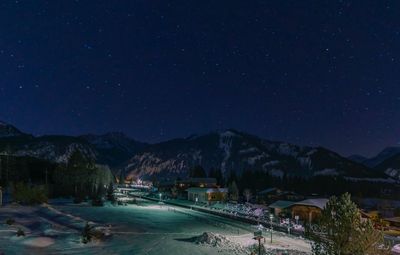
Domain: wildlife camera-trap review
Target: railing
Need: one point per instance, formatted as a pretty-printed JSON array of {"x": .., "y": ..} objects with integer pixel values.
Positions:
[{"x": 252, "y": 220}]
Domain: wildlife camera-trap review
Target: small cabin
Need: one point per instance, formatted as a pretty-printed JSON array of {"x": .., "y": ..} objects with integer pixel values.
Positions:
[{"x": 308, "y": 210}]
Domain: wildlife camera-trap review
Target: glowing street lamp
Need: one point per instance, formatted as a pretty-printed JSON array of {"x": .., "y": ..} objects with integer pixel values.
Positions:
[
  {"x": 258, "y": 236},
  {"x": 160, "y": 195},
  {"x": 271, "y": 217},
  {"x": 196, "y": 200}
]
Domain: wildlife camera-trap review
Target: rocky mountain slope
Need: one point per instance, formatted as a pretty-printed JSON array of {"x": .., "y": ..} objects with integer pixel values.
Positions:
[
  {"x": 231, "y": 150},
  {"x": 391, "y": 166},
  {"x": 51, "y": 148}
]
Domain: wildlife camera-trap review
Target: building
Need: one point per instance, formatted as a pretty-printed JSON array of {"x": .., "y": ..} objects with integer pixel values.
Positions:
[
  {"x": 272, "y": 195},
  {"x": 182, "y": 185},
  {"x": 280, "y": 207},
  {"x": 394, "y": 222},
  {"x": 165, "y": 186},
  {"x": 207, "y": 195},
  {"x": 196, "y": 182},
  {"x": 308, "y": 210}
]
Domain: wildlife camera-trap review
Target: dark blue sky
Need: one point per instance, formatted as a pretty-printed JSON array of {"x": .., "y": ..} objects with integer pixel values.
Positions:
[{"x": 307, "y": 72}]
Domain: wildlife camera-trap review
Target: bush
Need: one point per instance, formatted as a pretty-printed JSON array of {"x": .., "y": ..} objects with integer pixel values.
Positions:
[
  {"x": 20, "y": 232},
  {"x": 90, "y": 232},
  {"x": 97, "y": 202},
  {"x": 29, "y": 195},
  {"x": 86, "y": 235}
]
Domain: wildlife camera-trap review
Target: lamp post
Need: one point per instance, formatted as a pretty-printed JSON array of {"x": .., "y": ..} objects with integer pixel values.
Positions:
[
  {"x": 196, "y": 200},
  {"x": 258, "y": 236},
  {"x": 271, "y": 217},
  {"x": 296, "y": 217},
  {"x": 160, "y": 196}
]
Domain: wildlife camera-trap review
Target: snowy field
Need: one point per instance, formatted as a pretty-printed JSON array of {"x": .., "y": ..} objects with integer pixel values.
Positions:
[{"x": 147, "y": 228}]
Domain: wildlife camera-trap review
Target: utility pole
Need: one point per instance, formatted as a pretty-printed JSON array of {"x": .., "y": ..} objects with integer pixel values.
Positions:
[
  {"x": 7, "y": 166},
  {"x": 46, "y": 177},
  {"x": 271, "y": 217},
  {"x": 1, "y": 172}
]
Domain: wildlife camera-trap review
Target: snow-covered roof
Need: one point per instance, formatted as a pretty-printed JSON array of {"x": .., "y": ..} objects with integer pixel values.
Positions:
[
  {"x": 266, "y": 191},
  {"x": 281, "y": 204},
  {"x": 394, "y": 219},
  {"x": 316, "y": 202},
  {"x": 206, "y": 190}
]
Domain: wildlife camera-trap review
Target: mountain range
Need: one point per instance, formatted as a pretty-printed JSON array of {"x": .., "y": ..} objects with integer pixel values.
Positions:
[
  {"x": 227, "y": 150},
  {"x": 231, "y": 150},
  {"x": 112, "y": 149}
]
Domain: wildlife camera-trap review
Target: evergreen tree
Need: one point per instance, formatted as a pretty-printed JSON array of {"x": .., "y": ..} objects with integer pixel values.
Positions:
[
  {"x": 110, "y": 193},
  {"x": 121, "y": 177},
  {"x": 247, "y": 194},
  {"x": 174, "y": 192},
  {"x": 341, "y": 231},
  {"x": 233, "y": 191},
  {"x": 197, "y": 172}
]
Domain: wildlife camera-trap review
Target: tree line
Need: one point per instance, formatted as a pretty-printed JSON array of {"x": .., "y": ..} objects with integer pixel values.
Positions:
[
  {"x": 78, "y": 177},
  {"x": 256, "y": 181}
]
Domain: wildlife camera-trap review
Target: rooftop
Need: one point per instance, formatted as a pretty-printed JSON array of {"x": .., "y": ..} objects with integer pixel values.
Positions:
[
  {"x": 281, "y": 204},
  {"x": 316, "y": 202},
  {"x": 207, "y": 190},
  {"x": 394, "y": 219},
  {"x": 266, "y": 191}
]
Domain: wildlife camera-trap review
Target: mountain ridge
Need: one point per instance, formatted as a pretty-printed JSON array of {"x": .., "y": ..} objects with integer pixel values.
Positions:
[
  {"x": 229, "y": 150},
  {"x": 232, "y": 150}
]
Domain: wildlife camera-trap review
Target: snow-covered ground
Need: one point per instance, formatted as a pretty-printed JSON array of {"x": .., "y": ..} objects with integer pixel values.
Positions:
[{"x": 147, "y": 228}]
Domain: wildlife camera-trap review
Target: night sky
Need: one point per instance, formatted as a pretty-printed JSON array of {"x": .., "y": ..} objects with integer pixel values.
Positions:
[{"x": 307, "y": 72}]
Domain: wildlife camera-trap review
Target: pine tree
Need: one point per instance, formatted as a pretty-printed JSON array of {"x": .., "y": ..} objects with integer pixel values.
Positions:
[
  {"x": 247, "y": 194},
  {"x": 341, "y": 231},
  {"x": 233, "y": 191},
  {"x": 110, "y": 193}
]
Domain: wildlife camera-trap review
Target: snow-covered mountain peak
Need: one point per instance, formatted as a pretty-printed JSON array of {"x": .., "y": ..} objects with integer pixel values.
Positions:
[{"x": 229, "y": 133}]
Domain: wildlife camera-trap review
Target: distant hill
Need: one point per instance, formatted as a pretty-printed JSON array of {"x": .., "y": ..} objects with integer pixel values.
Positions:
[
  {"x": 115, "y": 148},
  {"x": 382, "y": 156},
  {"x": 357, "y": 158},
  {"x": 7, "y": 130},
  {"x": 112, "y": 149},
  {"x": 53, "y": 148},
  {"x": 375, "y": 161}
]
